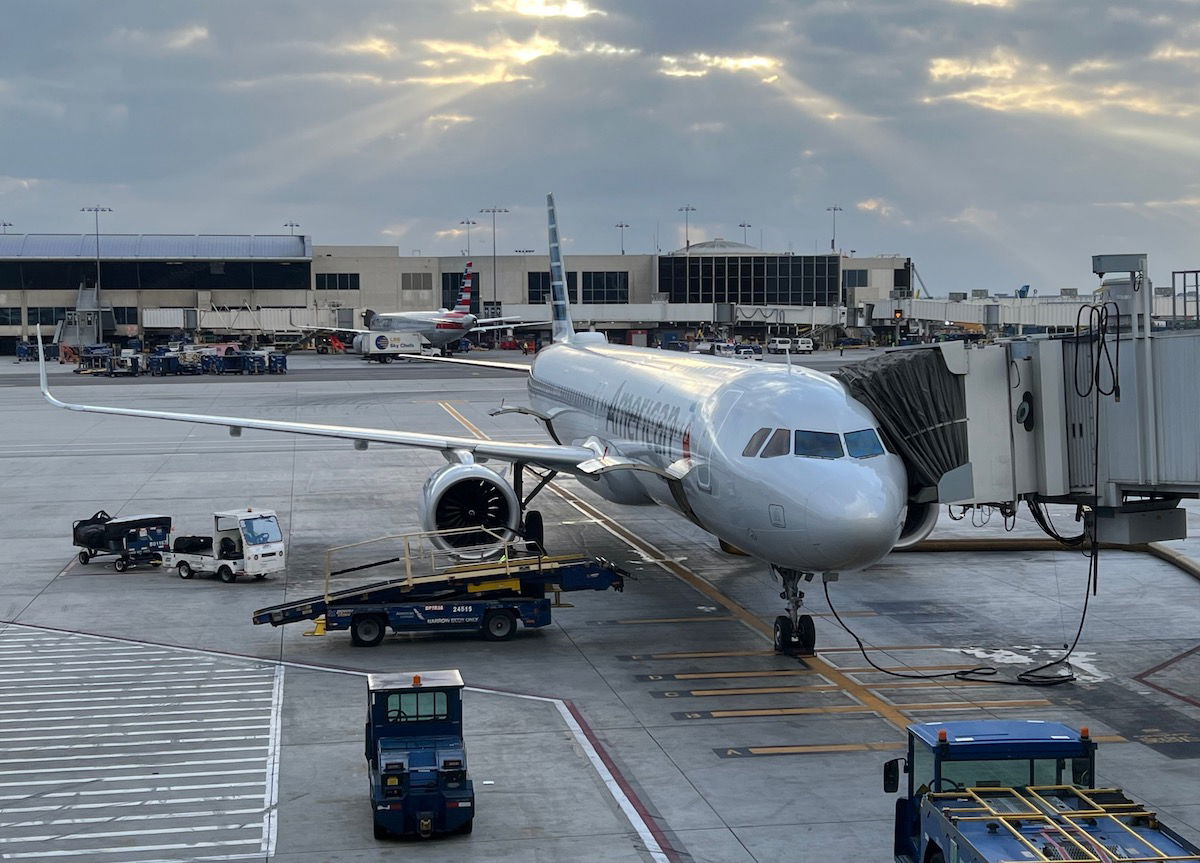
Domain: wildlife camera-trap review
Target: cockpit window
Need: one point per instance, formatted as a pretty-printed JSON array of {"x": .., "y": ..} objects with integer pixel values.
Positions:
[
  {"x": 816, "y": 444},
  {"x": 756, "y": 443},
  {"x": 863, "y": 444},
  {"x": 777, "y": 445}
]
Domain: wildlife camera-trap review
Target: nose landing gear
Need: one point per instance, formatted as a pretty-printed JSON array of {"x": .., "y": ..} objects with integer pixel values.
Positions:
[{"x": 794, "y": 632}]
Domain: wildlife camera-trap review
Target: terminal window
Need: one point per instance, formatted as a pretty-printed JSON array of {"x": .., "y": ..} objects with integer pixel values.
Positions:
[
  {"x": 49, "y": 315},
  {"x": 10, "y": 316},
  {"x": 415, "y": 281},
  {"x": 854, "y": 278},
  {"x": 539, "y": 287},
  {"x": 337, "y": 281},
  {"x": 751, "y": 279},
  {"x": 452, "y": 288},
  {"x": 606, "y": 287},
  {"x": 125, "y": 314}
]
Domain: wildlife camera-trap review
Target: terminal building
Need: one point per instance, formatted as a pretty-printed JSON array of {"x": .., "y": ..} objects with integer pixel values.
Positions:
[{"x": 162, "y": 286}]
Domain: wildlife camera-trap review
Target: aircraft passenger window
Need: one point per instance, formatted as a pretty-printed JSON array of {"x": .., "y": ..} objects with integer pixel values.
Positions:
[
  {"x": 863, "y": 444},
  {"x": 816, "y": 444},
  {"x": 756, "y": 443},
  {"x": 777, "y": 445}
]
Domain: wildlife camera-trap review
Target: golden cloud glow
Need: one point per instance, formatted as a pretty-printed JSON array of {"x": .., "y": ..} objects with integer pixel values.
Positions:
[
  {"x": 699, "y": 65},
  {"x": 539, "y": 8},
  {"x": 445, "y": 122},
  {"x": 186, "y": 38},
  {"x": 878, "y": 206},
  {"x": 162, "y": 40},
  {"x": 996, "y": 3},
  {"x": 1005, "y": 82},
  {"x": 503, "y": 56},
  {"x": 372, "y": 45},
  {"x": 1172, "y": 52}
]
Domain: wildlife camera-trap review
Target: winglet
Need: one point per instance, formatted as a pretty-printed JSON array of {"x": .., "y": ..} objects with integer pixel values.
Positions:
[
  {"x": 563, "y": 329},
  {"x": 42, "y": 373}
]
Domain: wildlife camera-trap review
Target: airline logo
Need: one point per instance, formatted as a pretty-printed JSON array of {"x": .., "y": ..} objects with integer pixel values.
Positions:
[{"x": 381, "y": 343}]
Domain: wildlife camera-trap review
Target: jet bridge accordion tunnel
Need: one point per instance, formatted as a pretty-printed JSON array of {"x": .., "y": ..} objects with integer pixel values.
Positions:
[{"x": 1038, "y": 419}]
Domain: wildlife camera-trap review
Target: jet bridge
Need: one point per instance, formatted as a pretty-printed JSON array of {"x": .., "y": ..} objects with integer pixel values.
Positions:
[{"x": 1103, "y": 418}]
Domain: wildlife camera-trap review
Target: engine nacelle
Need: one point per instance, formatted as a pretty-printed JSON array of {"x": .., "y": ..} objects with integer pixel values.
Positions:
[
  {"x": 919, "y": 521},
  {"x": 462, "y": 496}
]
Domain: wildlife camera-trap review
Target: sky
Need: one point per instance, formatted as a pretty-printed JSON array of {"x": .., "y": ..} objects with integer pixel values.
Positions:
[{"x": 996, "y": 142}]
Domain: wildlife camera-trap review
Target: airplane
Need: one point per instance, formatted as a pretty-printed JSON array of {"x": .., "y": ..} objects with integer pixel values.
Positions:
[
  {"x": 441, "y": 329},
  {"x": 778, "y": 463}
]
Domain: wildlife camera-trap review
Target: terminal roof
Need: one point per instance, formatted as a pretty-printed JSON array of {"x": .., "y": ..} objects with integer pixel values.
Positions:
[{"x": 168, "y": 247}]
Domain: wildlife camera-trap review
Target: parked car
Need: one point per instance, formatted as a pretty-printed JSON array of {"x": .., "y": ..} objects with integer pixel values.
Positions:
[{"x": 748, "y": 352}]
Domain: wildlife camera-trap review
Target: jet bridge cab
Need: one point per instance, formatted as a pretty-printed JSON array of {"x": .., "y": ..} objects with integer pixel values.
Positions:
[{"x": 416, "y": 758}]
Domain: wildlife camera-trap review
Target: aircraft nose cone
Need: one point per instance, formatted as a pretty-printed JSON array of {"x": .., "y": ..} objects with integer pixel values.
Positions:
[{"x": 855, "y": 524}]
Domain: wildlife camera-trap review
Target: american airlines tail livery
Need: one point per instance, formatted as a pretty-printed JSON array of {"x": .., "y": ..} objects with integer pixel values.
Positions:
[{"x": 778, "y": 462}]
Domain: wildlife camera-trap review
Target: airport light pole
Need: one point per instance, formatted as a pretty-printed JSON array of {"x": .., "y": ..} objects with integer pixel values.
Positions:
[
  {"x": 621, "y": 226},
  {"x": 687, "y": 237},
  {"x": 4, "y": 226},
  {"x": 493, "y": 211},
  {"x": 833, "y": 211},
  {"x": 745, "y": 226},
  {"x": 96, "y": 211},
  {"x": 291, "y": 226},
  {"x": 468, "y": 223}
]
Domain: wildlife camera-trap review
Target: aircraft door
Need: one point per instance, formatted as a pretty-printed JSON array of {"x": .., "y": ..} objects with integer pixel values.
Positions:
[{"x": 708, "y": 447}]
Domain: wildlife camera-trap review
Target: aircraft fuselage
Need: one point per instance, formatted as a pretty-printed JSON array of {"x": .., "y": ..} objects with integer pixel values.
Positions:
[{"x": 754, "y": 486}]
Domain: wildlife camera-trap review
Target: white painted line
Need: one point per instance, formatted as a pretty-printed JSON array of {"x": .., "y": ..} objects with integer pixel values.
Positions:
[
  {"x": 115, "y": 663},
  {"x": 43, "y": 726},
  {"x": 109, "y": 819},
  {"x": 77, "y": 757},
  {"x": 159, "y": 789},
  {"x": 126, "y": 849},
  {"x": 250, "y": 683},
  {"x": 151, "y": 713},
  {"x": 135, "y": 701},
  {"x": 181, "y": 740},
  {"x": 126, "y": 778},
  {"x": 86, "y": 768},
  {"x": 59, "y": 679},
  {"x": 271, "y": 797},
  {"x": 141, "y": 804},
  {"x": 113, "y": 834}
]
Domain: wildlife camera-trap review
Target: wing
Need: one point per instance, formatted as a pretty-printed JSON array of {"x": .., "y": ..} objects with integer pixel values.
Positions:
[
  {"x": 513, "y": 326},
  {"x": 523, "y": 368},
  {"x": 589, "y": 459},
  {"x": 515, "y": 319},
  {"x": 315, "y": 330}
]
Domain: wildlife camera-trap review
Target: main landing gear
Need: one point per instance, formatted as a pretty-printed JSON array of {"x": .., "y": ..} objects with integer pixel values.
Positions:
[{"x": 794, "y": 632}]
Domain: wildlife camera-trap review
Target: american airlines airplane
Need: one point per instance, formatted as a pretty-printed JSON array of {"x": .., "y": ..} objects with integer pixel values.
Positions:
[
  {"x": 443, "y": 328},
  {"x": 776, "y": 462}
]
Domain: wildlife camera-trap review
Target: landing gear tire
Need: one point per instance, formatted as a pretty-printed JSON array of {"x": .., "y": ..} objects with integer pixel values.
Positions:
[
  {"x": 499, "y": 625},
  {"x": 120, "y": 564},
  {"x": 783, "y": 634},
  {"x": 806, "y": 634},
  {"x": 367, "y": 630},
  {"x": 226, "y": 575},
  {"x": 184, "y": 569},
  {"x": 535, "y": 532},
  {"x": 84, "y": 557}
]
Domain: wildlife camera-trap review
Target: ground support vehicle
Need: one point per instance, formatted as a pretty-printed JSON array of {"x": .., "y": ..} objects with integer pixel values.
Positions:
[
  {"x": 802, "y": 346},
  {"x": 385, "y": 347},
  {"x": 487, "y": 596},
  {"x": 779, "y": 345},
  {"x": 136, "y": 540},
  {"x": 416, "y": 756},
  {"x": 128, "y": 364},
  {"x": 998, "y": 791},
  {"x": 242, "y": 542}
]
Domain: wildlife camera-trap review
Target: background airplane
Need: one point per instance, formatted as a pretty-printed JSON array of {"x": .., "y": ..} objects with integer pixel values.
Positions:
[
  {"x": 443, "y": 328},
  {"x": 777, "y": 462}
]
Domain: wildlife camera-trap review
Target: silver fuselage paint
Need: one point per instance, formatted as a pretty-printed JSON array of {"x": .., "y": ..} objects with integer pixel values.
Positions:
[
  {"x": 437, "y": 328},
  {"x": 809, "y": 514}
]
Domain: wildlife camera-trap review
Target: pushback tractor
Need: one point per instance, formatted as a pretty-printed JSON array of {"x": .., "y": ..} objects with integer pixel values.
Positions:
[
  {"x": 1003, "y": 791},
  {"x": 416, "y": 757}
]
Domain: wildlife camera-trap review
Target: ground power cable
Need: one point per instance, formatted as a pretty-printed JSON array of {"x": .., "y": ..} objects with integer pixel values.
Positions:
[{"x": 1099, "y": 325}]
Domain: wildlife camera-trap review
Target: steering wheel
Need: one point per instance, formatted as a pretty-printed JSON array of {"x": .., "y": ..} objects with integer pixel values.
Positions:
[
  {"x": 954, "y": 786},
  {"x": 260, "y": 538}
]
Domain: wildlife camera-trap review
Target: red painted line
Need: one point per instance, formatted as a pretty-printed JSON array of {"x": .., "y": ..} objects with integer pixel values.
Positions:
[
  {"x": 1143, "y": 678},
  {"x": 649, "y": 820}
]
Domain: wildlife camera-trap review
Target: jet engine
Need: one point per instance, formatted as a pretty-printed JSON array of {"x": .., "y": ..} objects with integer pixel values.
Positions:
[
  {"x": 918, "y": 523},
  {"x": 461, "y": 496}
]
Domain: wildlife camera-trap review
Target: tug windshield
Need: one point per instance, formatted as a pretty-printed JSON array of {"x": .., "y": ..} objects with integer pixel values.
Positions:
[{"x": 260, "y": 530}]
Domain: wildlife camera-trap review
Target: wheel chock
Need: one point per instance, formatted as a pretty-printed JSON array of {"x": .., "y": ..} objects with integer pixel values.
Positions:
[{"x": 318, "y": 627}]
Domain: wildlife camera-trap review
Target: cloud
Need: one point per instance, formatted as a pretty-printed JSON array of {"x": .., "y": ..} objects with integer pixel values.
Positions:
[
  {"x": 8, "y": 185},
  {"x": 539, "y": 8},
  {"x": 996, "y": 3},
  {"x": 1008, "y": 83},
  {"x": 878, "y": 206},
  {"x": 446, "y": 122},
  {"x": 376, "y": 45},
  {"x": 698, "y": 65},
  {"x": 179, "y": 39},
  {"x": 711, "y": 126}
]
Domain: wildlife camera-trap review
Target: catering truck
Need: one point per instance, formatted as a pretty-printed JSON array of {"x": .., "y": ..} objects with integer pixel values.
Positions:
[
  {"x": 999, "y": 791},
  {"x": 242, "y": 542},
  {"x": 384, "y": 347}
]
